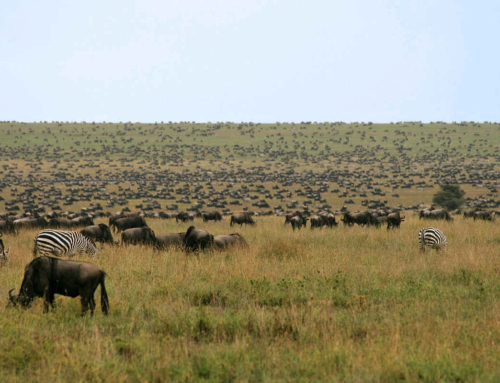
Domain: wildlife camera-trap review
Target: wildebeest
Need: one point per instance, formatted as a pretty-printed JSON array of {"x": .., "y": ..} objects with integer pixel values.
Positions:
[
  {"x": 30, "y": 223},
  {"x": 362, "y": 218},
  {"x": 164, "y": 241},
  {"x": 330, "y": 219},
  {"x": 4, "y": 255},
  {"x": 230, "y": 240},
  {"x": 289, "y": 216},
  {"x": 183, "y": 217},
  {"x": 125, "y": 223},
  {"x": 47, "y": 276},
  {"x": 242, "y": 218},
  {"x": 58, "y": 223},
  {"x": 394, "y": 220},
  {"x": 83, "y": 221},
  {"x": 197, "y": 239},
  {"x": 99, "y": 233},
  {"x": 139, "y": 235},
  {"x": 317, "y": 221},
  {"x": 484, "y": 215},
  {"x": 380, "y": 220},
  {"x": 298, "y": 221},
  {"x": 469, "y": 213},
  {"x": 211, "y": 216},
  {"x": 435, "y": 214}
]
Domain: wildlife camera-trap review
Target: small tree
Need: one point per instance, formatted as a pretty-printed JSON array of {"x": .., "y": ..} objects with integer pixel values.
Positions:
[{"x": 449, "y": 197}]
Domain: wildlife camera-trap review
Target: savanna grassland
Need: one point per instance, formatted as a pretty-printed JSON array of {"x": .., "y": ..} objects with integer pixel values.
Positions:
[{"x": 344, "y": 304}]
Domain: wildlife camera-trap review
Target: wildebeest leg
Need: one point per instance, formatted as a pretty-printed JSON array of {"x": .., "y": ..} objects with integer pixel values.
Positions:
[
  {"x": 48, "y": 299},
  {"x": 85, "y": 304},
  {"x": 92, "y": 305}
]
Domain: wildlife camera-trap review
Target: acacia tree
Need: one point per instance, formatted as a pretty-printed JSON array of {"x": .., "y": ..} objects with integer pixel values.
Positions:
[{"x": 449, "y": 197}]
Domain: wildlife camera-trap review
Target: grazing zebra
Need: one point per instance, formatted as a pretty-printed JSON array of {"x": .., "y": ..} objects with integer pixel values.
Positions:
[
  {"x": 58, "y": 243},
  {"x": 432, "y": 238}
]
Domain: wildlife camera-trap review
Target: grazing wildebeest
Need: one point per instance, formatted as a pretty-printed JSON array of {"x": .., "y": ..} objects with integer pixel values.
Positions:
[
  {"x": 394, "y": 220},
  {"x": 469, "y": 213},
  {"x": 183, "y": 217},
  {"x": 139, "y": 235},
  {"x": 317, "y": 221},
  {"x": 230, "y": 240},
  {"x": 30, "y": 223},
  {"x": 99, "y": 233},
  {"x": 289, "y": 216},
  {"x": 242, "y": 218},
  {"x": 58, "y": 223},
  {"x": 330, "y": 220},
  {"x": 435, "y": 214},
  {"x": 47, "y": 276},
  {"x": 164, "y": 241},
  {"x": 4, "y": 255},
  {"x": 298, "y": 221},
  {"x": 380, "y": 220},
  {"x": 362, "y": 218},
  {"x": 128, "y": 223},
  {"x": 117, "y": 216},
  {"x": 197, "y": 239},
  {"x": 211, "y": 216},
  {"x": 82, "y": 221},
  {"x": 484, "y": 215}
]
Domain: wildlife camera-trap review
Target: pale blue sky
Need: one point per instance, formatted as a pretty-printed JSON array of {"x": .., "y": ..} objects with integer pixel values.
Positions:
[{"x": 261, "y": 61}]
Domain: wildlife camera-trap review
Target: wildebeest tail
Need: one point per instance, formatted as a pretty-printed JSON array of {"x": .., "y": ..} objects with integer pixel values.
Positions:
[{"x": 104, "y": 295}]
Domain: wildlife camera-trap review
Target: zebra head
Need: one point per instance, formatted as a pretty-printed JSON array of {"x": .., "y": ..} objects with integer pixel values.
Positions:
[{"x": 92, "y": 248}]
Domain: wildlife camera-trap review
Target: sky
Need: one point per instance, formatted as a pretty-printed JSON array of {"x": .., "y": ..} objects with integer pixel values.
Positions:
[{"x": 260, "y": 61}]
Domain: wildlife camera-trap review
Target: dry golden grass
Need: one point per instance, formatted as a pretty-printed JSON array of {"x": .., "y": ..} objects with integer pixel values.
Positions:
[{"x": 348, "y": 304}]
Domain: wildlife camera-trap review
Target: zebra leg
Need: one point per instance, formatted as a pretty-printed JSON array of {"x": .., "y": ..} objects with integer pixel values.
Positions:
[{"x": 421, "y": 246}]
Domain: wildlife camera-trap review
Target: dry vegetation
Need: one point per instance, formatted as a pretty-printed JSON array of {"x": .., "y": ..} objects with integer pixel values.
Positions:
[{"x": 344, "y": 304}]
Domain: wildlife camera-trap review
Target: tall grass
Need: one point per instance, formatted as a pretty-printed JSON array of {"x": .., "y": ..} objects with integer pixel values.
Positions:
[{"x": 347, "y": 304}]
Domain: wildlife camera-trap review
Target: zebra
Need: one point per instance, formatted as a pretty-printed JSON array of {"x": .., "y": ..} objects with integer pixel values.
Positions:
[
  {"x": 58, "y": 243},
  {"x": 432, "y": 238}
]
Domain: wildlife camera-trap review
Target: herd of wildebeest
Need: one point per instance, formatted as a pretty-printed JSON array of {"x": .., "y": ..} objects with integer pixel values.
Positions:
[
  {"x": 181, "y": 170},
  {"x": 46, "y": 276}
]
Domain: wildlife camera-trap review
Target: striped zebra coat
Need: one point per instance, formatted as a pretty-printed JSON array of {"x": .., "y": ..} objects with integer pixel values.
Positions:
[
  {"x": 59, "y": 243},
  {"x": 430, "y": 237}
]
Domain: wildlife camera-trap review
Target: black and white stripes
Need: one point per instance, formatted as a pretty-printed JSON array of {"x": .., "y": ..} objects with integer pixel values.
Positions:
[
  {"x": 58, "y": 243},
  {"x": 432, "y": 238}
]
